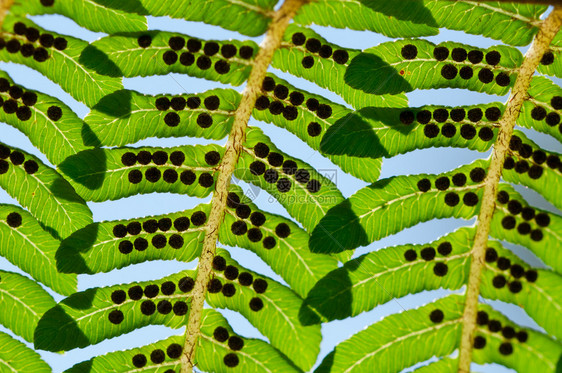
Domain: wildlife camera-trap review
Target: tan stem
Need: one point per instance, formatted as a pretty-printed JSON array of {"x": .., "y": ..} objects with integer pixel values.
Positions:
[
  {"x": 540, "y": 45},
  {"x": 234, "y": 145},
  {"x": 4, "y": 7}
]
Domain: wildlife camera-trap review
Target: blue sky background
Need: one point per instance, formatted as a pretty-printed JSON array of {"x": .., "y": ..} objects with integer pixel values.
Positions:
[{"x": 429, "y": 160}]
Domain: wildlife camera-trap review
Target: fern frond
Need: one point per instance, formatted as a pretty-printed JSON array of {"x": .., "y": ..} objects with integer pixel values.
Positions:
[
  {"x": 529, "y": 165},
  {"x": 551, "y": 63},
  {"x": 102, "y": 247},
  {"x": 406, "y": 65},
  {"x": 274, "y": 312},
  {"x": 63, "y": 65},
  {"x": 390, "y": 205},
  {"x": 126, "y": 117},
  {"x": 218, "y": 344},
  {"x": 17, "y": 357},
  {"x": 286, "y": 178},
  {"x": 161, "y": 52},
  {"x": 392, "y": 21},
  {"x": 326, "y": 69},
  {"x": 321, "y": 117},
  {"x": 281, "y": 243},
  {"x": 387, "y": 132},
  {"x": 27, "y": 302},
  {"x": 43, "y": 191},
  {"x": 36, "y": 249},
  {"x": 109, "y": 174},
  {"x": 49, "y": 124},
  {"x": 107, "y": 16},
  {"x": 543, "y": 109}
]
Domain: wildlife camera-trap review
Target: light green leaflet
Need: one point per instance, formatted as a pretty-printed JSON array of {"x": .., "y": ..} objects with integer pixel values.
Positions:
[
  {"x": 395, "y": 67},
  {"x": 542, "y": 231},
  {"x": 126, "y": 117},
  {"x": 96, "y": 248},
  {"x": 57, "y": 139},
  {"x": 318, "y": 126},
  {"x": 23, "y": 303},
  {"x": 539, "y": 353},
  {"x": 445, "y": 365},
  {"x": 278, "y": 320},
  {"x": 83, "y": 318},
  {"x": 535, "y": 168},
  {"x": 123, "y": 55},
  {"x": 386, "y": 132},
  {"x": 100, "y": 174},
  {"x": 368, "y": 350},
  {"x": 541, "y": 289},
  {"x": 304, "y": 192},
  {"x": 551, "y": 63},
  {"x": 48, "y": 196},
  {"x": 393, "y": 21},
  {"x": 248, "y": 17},
  {"x": 514, "y": 24},
  {"x": 390, "y": 205},
  {"x": 108, "y": 16},
  {"x": 36, "y": 249},
  {"x": 255, "y": 355},
  {"x": 386, "y": 274},
  {"x": 546, "y": 95},
  {"x": 67, "y": 67},
  {"x": 289, "y": 257},
  {"x": 17, "y": 357},
  {"x": 326, "y": 72}
]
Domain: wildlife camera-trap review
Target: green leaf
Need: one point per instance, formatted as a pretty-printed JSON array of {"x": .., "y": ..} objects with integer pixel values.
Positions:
[
  {"x": 305, "y": 193},
  {"x": 43, "y": 191},
  {"x": 551, "y": 63},
  {"x": 256, "y": 355},
  {"x": 36, "y": 249},
  {"x": 126, "y": 117},
  {"x": 326, "y": 72},
  {"x": 299, "y": 267},
  {"x": 380, "y": 276},
  {"x": 318, "y": 128},
  {"x": 392, "y": 204},
  {"x": 66, "y": 67},
  {"x": 109, "y": 16},
  {"x": 541, "y": 290},
  {"x": 17, "y": 357},
  {"x": 96, "y": 248},
  {"x": 387, "y": 132},
  {"x": 57, "y": 139},
  {"x": 540, "y": 169},
  {"x": 248, "y": 17},
  {"x": 100, "y": 174},
  {"x": 83, "y": 318},
  {"x": 26, "y": 301},
  {"x": 539, "y": 353},
  {"x": 278, "y": 320},
  {"x": 512, "y": 23},
  {"x": 388, "y": 68},
  {"x": 540, "y": 239},
  {"x": 121, "y": 55},
  {"x": 369, "y": 350},
  {"x": 369, "y": 15},
  {"x": 542, "y": 94}
]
